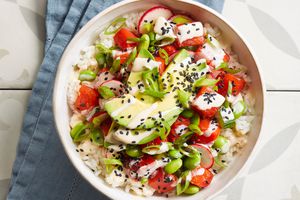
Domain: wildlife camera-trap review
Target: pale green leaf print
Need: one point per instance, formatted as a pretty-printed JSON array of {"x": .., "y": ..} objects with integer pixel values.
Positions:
[
  {"x": 4, "y": 184},
  {"x": 274, "y": 32},
  {"x": 3, "y": 52},
  {"x": 35, "y": 22},
  {"x": 273, "y": 149},
  {"x": 295, "y": 193}
]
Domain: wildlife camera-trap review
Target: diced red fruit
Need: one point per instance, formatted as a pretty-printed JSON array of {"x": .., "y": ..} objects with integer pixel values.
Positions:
[
  {"x": 162, "y": 65},
  {"x": 162, "y": 182},
  {"x": 196, "y": 41},
  {"x": 87, "y": 98},
  {"x": 123, "y": 57},
  {"x": 199, "y": 179},
  {"x": 203, "y": 139},
  {"x": 207, "y": 159},
  {"x": 152, "y": 14},
  {"x": 238, "y": 84},
  {"x": 105, "y": 126},
  {"x": 180, "y": 121},
  {"x": 170, "y": 49},
  {"x": 121, "y": 38},
  {"x": 226, "y": 57}
]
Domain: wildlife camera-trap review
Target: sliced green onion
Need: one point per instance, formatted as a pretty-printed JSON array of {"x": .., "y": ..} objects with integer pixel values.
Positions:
[
  {"x": 103, "y": 49},
  {"x": 232, "y": 71},
  {"x": 150, "y": 148},
  {"x": 187, "y": 113},
  {"x": 144, "y": 180},
  {"x": 117, "y": 24},
  {"x": 144, "y": 53},
  {"x": 195, "y": 119},
  {"x": 195, "y": 128},
  {"x": 106, "y": 92},
  {"x": 101, "y": 59},
  {"x": 183, "y": 183},
  {"x": 152, "y": 38},
  {"x": 164, "y": 55},
  {"x": 144, "y": 43},
  {"x": 131, "y": 57},
  {"x": 147, "y": 27},
  {"x": 133, "y": 151},
  {"x": 97, "y": 137},
  {"x": 116, "y": 66},
  {"x": 183, "y": 138},
  {"x": 153, "y": 93},
  {"x": 206, "y": 82},
  {"x": 87, "y": 75},
  {"x": 239, "y": 109},
  {"x": 201, "y": 66},
  {"x": 229, "y": 90},
  {"x": 148, "y": 138},
  {"x": 183, "y": 98},
  {"x": 97, "y": 121},
  {"x": 112, "y": 161},
  {"x": 106, "y": 144},
  {"x": 134, "y": 39},
  {"x": 78, "y": 133}
]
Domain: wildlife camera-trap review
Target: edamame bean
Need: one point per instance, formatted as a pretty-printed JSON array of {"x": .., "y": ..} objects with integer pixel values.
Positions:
[
  {"x": 192, "y": 189},
  {"x": 145, "y": 42},
  {"x": 192, "y": 162},
  {"x": 220, "y": 142},
  {"x": 175, "y": 153},
  {"x": 133, "y": 151},
  {"x": 173, "y": 166}
]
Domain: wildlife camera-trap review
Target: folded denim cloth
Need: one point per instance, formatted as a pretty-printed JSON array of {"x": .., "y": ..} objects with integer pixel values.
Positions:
[{"x": 42, "y": 170}]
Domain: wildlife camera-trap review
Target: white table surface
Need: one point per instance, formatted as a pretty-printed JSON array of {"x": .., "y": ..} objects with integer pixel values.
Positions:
[{"x": 271, "y": 26}]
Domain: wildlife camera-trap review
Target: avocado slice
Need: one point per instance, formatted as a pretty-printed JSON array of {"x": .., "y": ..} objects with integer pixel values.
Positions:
[
  {"x": 182, "y": 73},
  {"x": 133, "y": 113}
]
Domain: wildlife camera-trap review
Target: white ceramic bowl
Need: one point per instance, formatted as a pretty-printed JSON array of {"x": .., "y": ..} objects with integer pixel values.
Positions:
[{"x": 87, "y": 36}]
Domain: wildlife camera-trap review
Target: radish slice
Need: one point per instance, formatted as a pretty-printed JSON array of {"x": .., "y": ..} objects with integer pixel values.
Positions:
[
  {"x": 116, "y": 86},
  {"x": 152, "y": 14},
  {"x": 103, "y": 76},
  {"x": 180, "y": 19},
  {"x": 207, "y": 159}
]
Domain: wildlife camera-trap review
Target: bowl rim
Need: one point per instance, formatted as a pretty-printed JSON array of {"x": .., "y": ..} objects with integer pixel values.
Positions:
[{"x": 91, "y": 22}]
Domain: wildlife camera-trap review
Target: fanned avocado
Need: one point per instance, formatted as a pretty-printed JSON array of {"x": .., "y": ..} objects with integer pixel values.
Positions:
[
  {"x": 132, "y": 113},
  {"x": 182, "y": 73}
]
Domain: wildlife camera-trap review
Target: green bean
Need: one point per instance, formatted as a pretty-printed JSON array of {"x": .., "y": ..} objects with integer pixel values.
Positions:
[
  {"x": 192, "y": 162},
  {"x": 87, "y": 75},
  {"x": 220, "y": 142},
  {"x": 133, "y": 151},
  {"x": 145, "y": 42},
  {"x": 173, "y": 166},
  {"x": 192, "y": 189},
  {"x": 97, "y": 137},
  {"x": 175, "y": 153},
  {"x": 106, "y": 92},
  {"x": 187, "y": 113}
]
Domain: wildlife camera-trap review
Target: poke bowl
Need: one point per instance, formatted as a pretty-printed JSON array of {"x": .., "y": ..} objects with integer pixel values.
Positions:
[{"x": 158, "y": 98}]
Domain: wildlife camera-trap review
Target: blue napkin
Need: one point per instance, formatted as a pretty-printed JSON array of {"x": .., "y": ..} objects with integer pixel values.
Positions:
[{"x": 42, "y": 170}]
